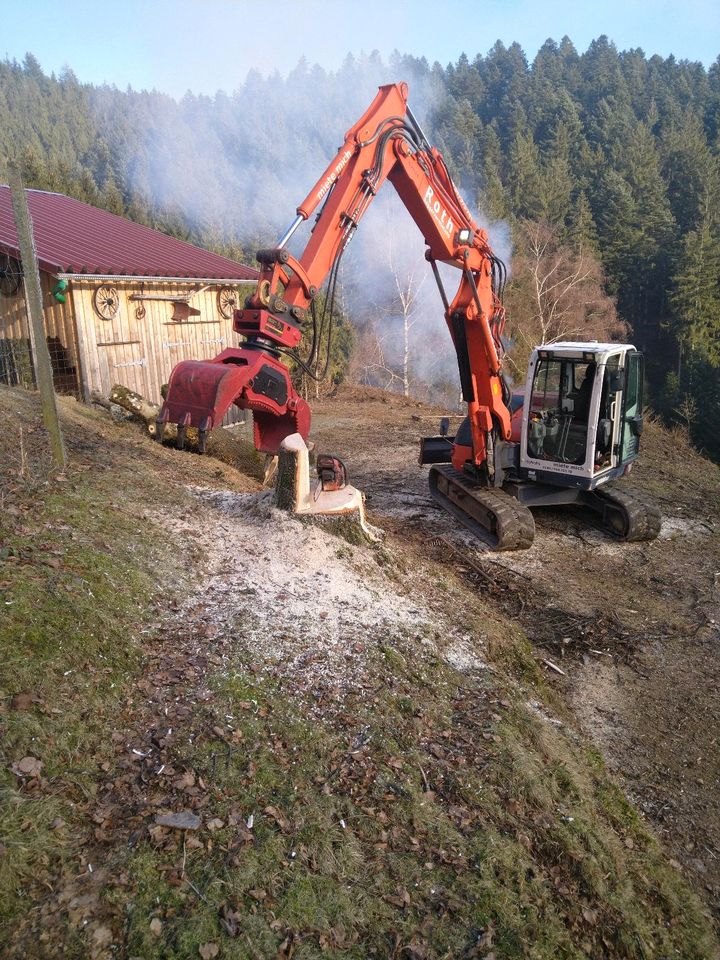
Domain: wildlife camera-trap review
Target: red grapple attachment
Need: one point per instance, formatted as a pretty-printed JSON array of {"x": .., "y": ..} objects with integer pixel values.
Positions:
[{"x": 200, "y": 392}]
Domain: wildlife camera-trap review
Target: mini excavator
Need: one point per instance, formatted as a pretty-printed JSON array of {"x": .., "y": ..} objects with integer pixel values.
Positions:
[{"x": 575, "y": 429}]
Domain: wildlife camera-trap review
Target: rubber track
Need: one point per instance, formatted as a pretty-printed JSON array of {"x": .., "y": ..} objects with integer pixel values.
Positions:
[
  {"x": 642, "y": 517},
  {"x": 514, "y": 524}
]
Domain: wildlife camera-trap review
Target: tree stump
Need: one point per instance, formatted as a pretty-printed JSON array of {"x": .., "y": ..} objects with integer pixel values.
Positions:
[{"x": 342, "y": 512}]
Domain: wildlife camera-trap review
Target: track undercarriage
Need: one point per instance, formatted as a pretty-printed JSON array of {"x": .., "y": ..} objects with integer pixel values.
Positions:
[{"x": 501, "y": 518}]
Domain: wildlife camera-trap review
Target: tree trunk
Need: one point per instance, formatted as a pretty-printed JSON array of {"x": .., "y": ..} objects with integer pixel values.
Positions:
[
  {"x": 233, "y": 450},
  {"x": 129, "y": 400},
  {"x": 406, "y": 355}
]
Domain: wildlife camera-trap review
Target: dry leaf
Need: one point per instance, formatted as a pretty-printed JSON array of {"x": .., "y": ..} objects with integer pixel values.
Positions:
[
  {"x": 21, "y": 701},
  {"x": 102, "y": 936},
  {"x": 156, "y": 927},
  {"x": 402, "y": 900},
  {"x": 186, "y": 780},
  {"x": 230, "y": 920},
  {"x": 27, "y": 767},
  {"x": 208, "y": 950},
  {"x": 281, "y": 821},
  {"x": 184, "y": 820},
  {"x": 215, "y": 824},
  {"x": 591, "y": 916}
]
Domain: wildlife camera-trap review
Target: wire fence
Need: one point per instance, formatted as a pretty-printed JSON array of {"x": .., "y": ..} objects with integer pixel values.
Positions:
[
  {"x": 16, "y": 366},
  {"x": 17, "y": 369}
]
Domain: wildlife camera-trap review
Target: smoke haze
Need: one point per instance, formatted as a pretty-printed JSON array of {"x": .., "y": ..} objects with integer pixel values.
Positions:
[{"x": 236, "y": 166}]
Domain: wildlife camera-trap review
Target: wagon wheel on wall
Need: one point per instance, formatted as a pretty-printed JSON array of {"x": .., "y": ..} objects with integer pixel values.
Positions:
[
  {"x": 106, "y": 302},
  {"x": 227, "y": 301},
  {"x": 10, "y": 275}
]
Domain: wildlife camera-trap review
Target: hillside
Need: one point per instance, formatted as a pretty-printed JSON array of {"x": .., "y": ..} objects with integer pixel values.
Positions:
[{"x": 369, "y": 751}]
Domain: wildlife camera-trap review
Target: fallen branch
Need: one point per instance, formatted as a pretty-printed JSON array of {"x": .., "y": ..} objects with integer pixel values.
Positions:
[{"x": 555, "y": 667}]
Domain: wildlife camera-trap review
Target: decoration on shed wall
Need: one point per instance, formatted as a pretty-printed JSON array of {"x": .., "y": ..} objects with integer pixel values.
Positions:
[
  {"x": 10, "y": 275},
  {"x": 227, "y": 301},
  {"x": 140, "y": 311},
  {"x": 58, "y": 291},
  {"x": 106, "y": 302}
]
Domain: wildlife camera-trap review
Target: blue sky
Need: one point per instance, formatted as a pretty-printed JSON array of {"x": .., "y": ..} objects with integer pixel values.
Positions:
[{"x": 211, "y": 45}]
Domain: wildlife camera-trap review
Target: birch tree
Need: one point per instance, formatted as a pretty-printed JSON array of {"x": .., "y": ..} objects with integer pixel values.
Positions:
[{"x": 556, "y": 293}]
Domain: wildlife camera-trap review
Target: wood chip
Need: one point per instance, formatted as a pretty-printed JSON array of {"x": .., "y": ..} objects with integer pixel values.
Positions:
[{"x": 27, "y": 767}]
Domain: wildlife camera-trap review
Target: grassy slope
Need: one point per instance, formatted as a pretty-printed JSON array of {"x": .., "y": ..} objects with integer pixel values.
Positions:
[{"x": 431, "y": 816}]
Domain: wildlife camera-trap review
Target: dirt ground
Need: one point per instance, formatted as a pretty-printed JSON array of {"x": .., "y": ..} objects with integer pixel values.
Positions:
[{"x": 632, "y": 627}]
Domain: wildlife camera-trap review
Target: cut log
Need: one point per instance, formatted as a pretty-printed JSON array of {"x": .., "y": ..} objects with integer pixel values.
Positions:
[
  {"x": 221, "y": 444},
  {"x": 129, "y": 400},
  {"x": 142, "y": 409}
]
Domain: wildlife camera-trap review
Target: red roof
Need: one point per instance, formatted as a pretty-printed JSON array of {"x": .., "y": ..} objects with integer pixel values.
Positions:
[{"x": 73, "y": 237}]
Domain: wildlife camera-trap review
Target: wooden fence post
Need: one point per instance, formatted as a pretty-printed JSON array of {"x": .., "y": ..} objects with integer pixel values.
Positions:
[{"x": 33, "y": 301}]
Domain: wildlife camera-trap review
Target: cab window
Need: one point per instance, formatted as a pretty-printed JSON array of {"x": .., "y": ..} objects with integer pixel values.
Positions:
[
  {"x": 632, "y": 407},
  {"x": 559, "y": 409}
]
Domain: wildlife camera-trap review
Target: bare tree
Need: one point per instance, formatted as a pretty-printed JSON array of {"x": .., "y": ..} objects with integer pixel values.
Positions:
[
  {"x": 407, "y": 347},
  {"x": 556, "y": 293},
  {"x": 369, "y": 364},
  {"x": 409, "y": 275}
]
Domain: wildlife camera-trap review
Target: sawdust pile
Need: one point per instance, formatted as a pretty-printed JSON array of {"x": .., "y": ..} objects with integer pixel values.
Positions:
[{"x": 301, "y": 602}]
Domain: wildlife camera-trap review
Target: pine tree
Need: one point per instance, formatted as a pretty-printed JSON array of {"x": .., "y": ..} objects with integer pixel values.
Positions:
[
  {"x": 695, "y": 296},
  {"x": 615, "y": 213},
  {"x": 556, "y": 180},
  {"x": 492, "y": 196},
  {"x": 582, "y": 233},
  {"x": 525, "y": 179},
  {"x": 687, "y": 164}
]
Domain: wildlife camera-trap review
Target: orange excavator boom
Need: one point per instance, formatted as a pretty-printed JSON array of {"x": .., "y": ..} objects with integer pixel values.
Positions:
[{"x": 386, "y": 143}]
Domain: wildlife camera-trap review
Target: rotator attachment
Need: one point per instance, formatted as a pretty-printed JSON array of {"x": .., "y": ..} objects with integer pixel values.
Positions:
[{"x": 200, "y": 392}]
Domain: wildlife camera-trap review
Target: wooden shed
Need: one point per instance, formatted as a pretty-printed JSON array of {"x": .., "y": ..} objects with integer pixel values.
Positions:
[{"x": 123, "y": 303}]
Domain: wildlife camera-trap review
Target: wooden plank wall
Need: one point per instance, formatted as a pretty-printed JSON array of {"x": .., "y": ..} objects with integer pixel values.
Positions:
[
  {"x": 59, "y": 328},
  {"x": 140, "y": 352}
]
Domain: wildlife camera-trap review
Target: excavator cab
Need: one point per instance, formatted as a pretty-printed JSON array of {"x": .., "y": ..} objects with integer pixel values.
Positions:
[
  {"x": 582, "y": 416},
  {"x": 576, "y": 427}
]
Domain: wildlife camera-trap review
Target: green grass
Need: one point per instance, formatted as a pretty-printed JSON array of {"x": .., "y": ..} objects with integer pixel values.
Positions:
[
  {"x": 517, "y": 836},
  {"x": 76, "y": 588}
]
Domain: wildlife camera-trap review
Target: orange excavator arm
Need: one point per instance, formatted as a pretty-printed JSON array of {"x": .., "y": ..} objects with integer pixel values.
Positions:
[{"x": 386, "y": 143}]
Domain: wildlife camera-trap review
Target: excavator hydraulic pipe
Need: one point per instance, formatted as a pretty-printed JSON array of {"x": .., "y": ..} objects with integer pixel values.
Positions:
[{"x": 285, "y": 238}]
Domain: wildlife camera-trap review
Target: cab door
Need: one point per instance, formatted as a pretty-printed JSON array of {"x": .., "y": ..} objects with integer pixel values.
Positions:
[{"x": 632, "y": 417}]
